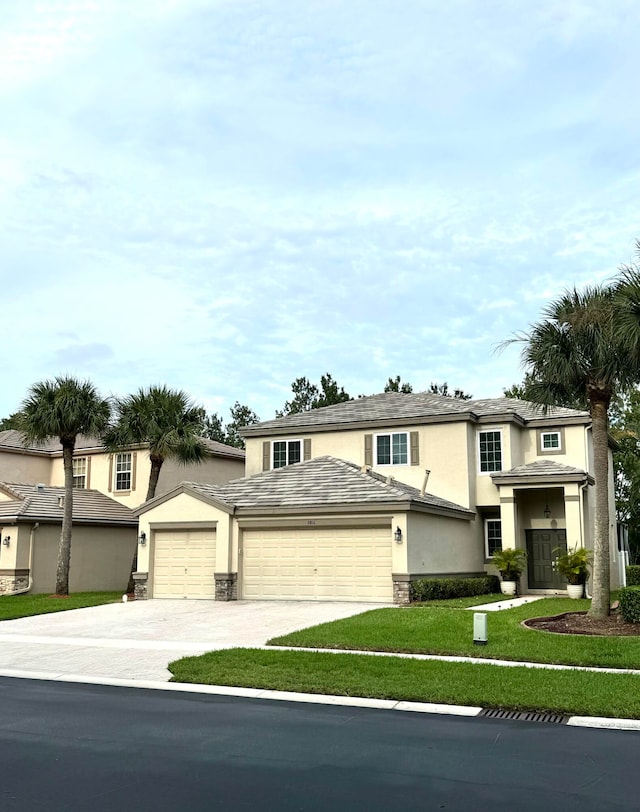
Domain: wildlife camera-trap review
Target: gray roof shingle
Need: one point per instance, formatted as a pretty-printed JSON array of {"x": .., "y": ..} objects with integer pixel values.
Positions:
[
  {"x": 13, "y": 440},
  {"x": 33, "y": 502},
  {"x": 323, "y": 481},
  {"x": 540, "y": 468},
  {"x": 420, "y": 406}
]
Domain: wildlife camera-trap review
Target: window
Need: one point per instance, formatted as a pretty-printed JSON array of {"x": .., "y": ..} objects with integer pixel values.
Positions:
[
  {"x": 492, "y": 536},
  {"x": 286, "y": 452},
  {"x": 123, "y": 469},
  {"x": 391, "y": 449},
  {"x": 550, "y": 441},
  {"x": 490, "y": 447},
  {"x": 80, "y": 472}
]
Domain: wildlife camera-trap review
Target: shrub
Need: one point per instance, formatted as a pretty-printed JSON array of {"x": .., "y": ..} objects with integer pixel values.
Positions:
[
  {"x": 633, "y": 575},
  {"x": 433, "y": 589},
  {"x": 574, "y": 564},
  {"x": 629, "y": 597},
  {"x": 510, "y": 563}
]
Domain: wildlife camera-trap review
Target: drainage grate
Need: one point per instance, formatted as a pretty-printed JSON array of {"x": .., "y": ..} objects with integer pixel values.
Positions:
[{"x": 524, "y": 716}]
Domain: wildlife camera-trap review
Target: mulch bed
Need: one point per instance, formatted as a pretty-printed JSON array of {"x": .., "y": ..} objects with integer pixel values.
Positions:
[{"x": 579, "y": 623}]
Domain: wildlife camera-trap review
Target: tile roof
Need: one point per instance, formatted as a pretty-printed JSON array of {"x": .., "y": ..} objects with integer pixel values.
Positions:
[
  {"x": 41, "y": 503},
  {"x": 323, "y": 481},
  {"x": 540, "y": 468},
  {"x": 411, "y": 407},
  {"x": 12, "y": 440}
]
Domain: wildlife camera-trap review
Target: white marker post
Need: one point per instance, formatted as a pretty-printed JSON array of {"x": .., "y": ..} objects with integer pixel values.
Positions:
[{"x": 480, "y": 628}]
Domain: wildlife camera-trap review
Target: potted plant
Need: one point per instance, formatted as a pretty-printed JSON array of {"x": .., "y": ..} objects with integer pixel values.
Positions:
[
  {"x": 574, "y": 566},
  {"x": 510, "y": 563}
]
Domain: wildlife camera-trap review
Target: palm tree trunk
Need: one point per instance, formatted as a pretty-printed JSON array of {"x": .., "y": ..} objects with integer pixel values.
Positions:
[
  {"x": 64, "y": 550},
  {"x": 156, "y": 465},
  {"x": 601, "y": 577}
]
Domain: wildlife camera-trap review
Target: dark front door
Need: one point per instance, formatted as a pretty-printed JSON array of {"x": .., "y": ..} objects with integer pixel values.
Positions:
[{"x": 540, "y": 558}]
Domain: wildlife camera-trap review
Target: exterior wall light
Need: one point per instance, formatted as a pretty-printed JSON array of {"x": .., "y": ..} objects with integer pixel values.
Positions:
[
  {"x": 397, "y": 536},
  {"x": 6, "y": 541},
  {"x": 142, "y": 539}
]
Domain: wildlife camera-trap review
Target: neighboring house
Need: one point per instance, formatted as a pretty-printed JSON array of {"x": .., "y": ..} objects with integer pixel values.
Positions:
[
  {"x": 104, "y": 539},
  {"x": 356, "y": 500},
  {"x": 123, "y": 476}
]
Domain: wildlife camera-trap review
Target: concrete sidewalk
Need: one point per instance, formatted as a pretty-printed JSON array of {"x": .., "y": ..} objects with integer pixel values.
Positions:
[{"x": 137, "y": 640}]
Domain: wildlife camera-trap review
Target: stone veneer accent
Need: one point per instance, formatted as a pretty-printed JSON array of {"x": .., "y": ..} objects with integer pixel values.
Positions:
[
  {"x": 401, "y": 589},
  {"x": 226, "y": 586},
  {"x": 12, "y": 580},
  {"x": 141, "y": 585}
]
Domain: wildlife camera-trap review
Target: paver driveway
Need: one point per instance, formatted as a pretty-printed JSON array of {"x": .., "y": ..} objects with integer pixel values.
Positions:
[{"x": 137, "y": 640}]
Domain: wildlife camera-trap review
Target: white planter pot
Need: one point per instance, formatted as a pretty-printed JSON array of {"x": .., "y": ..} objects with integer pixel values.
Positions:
[
  {"x": 575, "y": 590},
  {"x": 508, "y": 587}
]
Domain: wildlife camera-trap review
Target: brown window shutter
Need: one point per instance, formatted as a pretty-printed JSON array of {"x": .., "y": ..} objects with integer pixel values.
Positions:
[
  {"x": 110, "y": 484},
  {"x": 88, "y": 476},
  {"x": 266, "y": 456},
  {"x": 368, "y": 449},
  {"x": 415, "y": 448},
  {"x": 133, "y": 470},
  {"x": 307, "y": 449}
]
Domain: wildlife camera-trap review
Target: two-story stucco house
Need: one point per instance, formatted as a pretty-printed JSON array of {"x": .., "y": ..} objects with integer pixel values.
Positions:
[
  {"x": 356, "y": 500},
  {"x": 105, "y": 529}
]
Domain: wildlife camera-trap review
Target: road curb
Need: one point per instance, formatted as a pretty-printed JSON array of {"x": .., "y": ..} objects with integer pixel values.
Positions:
[{"x": 313, "y": 699}]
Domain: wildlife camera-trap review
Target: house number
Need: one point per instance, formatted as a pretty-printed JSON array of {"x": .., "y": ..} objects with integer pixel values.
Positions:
[{"x": 311, "y": 521}]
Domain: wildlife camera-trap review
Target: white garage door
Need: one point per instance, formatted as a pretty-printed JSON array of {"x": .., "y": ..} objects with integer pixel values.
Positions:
[
  {"x": 339, "y": 563},
  {"x": 184, "y": 564}
]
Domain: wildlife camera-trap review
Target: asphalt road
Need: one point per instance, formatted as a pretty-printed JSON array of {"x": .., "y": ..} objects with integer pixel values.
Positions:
[{"x": 99, "y": 748}]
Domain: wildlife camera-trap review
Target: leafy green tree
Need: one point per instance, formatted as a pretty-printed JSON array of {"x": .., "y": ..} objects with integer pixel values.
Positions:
[
  {"x": 63, "y": 408},
  {"x": 588, "y": 346},
  {"x": 241, "y": 416},
  {"x": 10, "y": 422},
  {"x": 165, "y": 420},
  {"x": 526, "y": 391},
  {"x": 395, "y": 385},
  {"x": 211, "y": 426},
  {"x": 443, "y": 389},
  {"x": 625, "y": 429},
  {"x": 307, "y": 395}
]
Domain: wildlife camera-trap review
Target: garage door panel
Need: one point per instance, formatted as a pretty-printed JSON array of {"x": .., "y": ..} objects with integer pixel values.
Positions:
[
  {"x": 184, "y": 564},
  {"x": 343, "y": 563}
]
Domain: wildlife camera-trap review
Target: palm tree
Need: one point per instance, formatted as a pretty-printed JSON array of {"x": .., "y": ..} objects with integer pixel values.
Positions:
[
  {"x": 63, "y": 408},
  {"x": 164, "y": 419},
  {"x": 587, "y": 348}
]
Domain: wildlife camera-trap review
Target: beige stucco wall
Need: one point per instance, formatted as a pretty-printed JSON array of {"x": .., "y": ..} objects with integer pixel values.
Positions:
[
  {"x": 439, "y": 545},
  {"x": 100, "y": 557},
  {"x": 443, "y": 450},
  {"x": 24, "y": 468},
  {"x": 212, "y": 471}
]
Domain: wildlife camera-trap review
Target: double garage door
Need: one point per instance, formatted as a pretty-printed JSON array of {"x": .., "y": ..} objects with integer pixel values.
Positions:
[
  {"x": 184, "y": 564},
  {"x": 338, "y": 563}
]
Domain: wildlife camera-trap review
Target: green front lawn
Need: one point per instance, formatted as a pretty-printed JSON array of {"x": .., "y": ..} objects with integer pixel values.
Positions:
[
  {"x": 518, "y": 688},
  {"x": 15, "y": 606},
  {"x": 440, "y": 630}
]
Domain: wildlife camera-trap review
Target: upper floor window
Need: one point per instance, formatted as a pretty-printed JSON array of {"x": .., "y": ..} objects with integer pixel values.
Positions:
[
  {"x": 123, "y": 470},
  {"x": 492, "y": 536},
  {"x": 392, "y": 449},
  {"x": 550, "y": 441},
  {"x": 490, "y": 449},
  {"x": 286, "y": 452},
  {"x": 80, "y": 472}
]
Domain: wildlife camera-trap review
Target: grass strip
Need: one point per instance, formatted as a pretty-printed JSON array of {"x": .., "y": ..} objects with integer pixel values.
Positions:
[
  {"x": 15, "y": 606},
  {"x": 516, "y": 688},
  {"x": 424, "y": 630}
]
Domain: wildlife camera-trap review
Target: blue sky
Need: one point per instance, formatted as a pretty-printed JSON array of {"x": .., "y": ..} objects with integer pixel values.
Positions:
[{"x": 223, "y": 196}]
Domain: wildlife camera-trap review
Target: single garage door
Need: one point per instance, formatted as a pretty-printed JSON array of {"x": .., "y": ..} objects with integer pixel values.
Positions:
[
  {"x": 339, "y": 563},
  {"x": 184, "y": 564}
]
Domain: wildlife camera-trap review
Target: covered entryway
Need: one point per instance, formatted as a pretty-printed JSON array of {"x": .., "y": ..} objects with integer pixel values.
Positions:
[
  {"x": 184, "y": 563},
  {"x": 321, "y": 563},
  {"x": 541, "y": 556}
]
